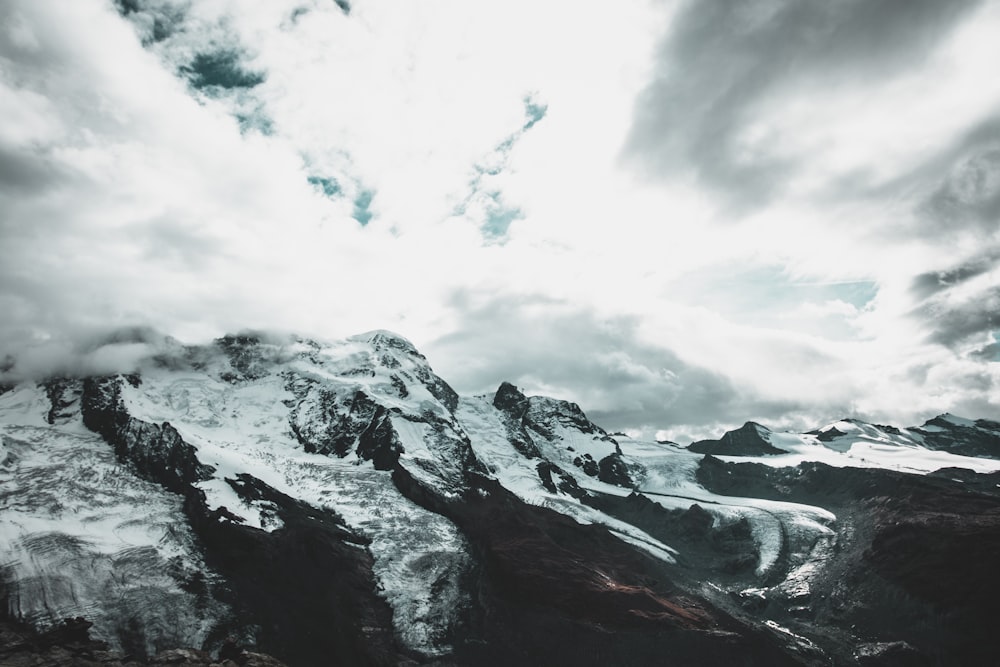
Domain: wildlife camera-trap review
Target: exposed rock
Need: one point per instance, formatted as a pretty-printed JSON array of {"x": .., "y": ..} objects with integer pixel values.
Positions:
[
  {"x": 587, "y": 464},
  {"x": 751, "y": 439},
  {"x": 390, "y": 344},
  {"x": 330, "y": 421},
  {"x": 891, "y": 654},
  {"x": 379, "y": 442},
  {"x": 64, "y": 397},
  {"x": 548, "y": 471},
  {"x": 307, "y": 588},
  {"x": 245, "y": 357},
  {"x": 543, "y": 414},
  {"x": 69, "y": 645},
  {"x": 826, "y": 435},
  {"x": 850, "y": 566},
  {"x": 726, "y": 548},
  {"x": 918, "y": 549},
  {"x": 553, "y": 591},
  {"x": 157, "y": 452},
  {"x": 612, "y": 470},
  {"x": 510, "y": 400},
  {"x": 513, "y": 405},
  {"x": 960, "y": 436}
]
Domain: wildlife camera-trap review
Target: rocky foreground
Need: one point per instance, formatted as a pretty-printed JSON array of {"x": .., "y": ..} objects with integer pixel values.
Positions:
[{"x": 69, "y": 645}]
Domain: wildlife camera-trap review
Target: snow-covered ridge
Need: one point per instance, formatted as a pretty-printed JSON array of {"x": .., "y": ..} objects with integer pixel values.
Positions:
[{"x": 253, "y": 432}]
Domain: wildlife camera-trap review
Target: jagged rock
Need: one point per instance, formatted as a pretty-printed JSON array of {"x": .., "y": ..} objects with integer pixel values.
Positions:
[
  {"x": 513, "y": 405},
  {"x": 827, "y": 435},
  {"x": 587, "y": 464},
  {"x": 69, "y": 645},
  {"x": 390, "y": 344},
  {"x": 330, "y": 421},
  {"x": 308, "y": 587},
  {"x": 612, "y": 470},
  {"x": 538, "y": 587},
  {"x": 751, "y": 439},
  {"x": 157, "y": 452},
  {"x": 566, "y": 482},
  {"x": 543, "y": 414},
  {"x": 891, "y": 654},
  {"x": 379, "y": 442},
  {"x": 510, "y": 400},
  {"x": 64, "y": 395},
  {"x": 961, "y": 436}
]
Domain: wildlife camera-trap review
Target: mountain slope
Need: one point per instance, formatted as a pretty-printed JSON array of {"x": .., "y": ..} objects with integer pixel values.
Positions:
[{"x": 340, "y": 499}]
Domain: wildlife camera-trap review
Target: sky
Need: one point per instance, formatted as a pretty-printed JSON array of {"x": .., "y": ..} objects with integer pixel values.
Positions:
[{"x": 681, "y": 215}]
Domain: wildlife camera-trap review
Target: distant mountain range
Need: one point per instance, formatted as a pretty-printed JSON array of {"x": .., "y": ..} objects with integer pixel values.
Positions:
[{"x": 338, "y": 503}]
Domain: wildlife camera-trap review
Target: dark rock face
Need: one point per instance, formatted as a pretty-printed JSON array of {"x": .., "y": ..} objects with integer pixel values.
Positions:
[
  {"x": 726, "y": 549},
  {"x": 612, "y": 470},
  {"x": 523, "y": 416},
  {"x": 587, "y": 464},
  {"x": 749, "y": 440},
  {"x": 916, "y": 556},
  {"x": 70, "y": 645},
  {"x": 439, "y": 389},
  {"x": 823, "y": 436},
  {"x": 982, "y": 438},
  {"x": 390, "y": 344},
  {"x": 510, "y": 400},
  {"x": 543, "y": 414},
  {"x": 552, "y": 591},
  {"x": 555, "y": 479},
  {"x": 64, "y": 397},
  {"x": 307, "y": 587},
  {"x": 379, "y": 443},
  {"x": 513, "y": 405},
  {"x": 156, "y": 452},
  {"x": 330, "y": 422},
  {"x": 905, "y": 575}
]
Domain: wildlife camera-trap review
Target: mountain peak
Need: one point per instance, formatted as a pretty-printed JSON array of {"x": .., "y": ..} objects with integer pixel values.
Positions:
[
  {"x": 383, "y": 340},
  {"x": 751, "y": 439},
  {"x": 509, "y": 399}
]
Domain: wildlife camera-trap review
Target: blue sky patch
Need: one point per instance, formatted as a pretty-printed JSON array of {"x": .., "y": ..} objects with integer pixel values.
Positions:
[
  {"x": 328, "y": 186},
  {"x": 255, "y": 120},
  {"x": 362, "y": 203},
  {"x": 220, "y": 69},
  {"x": 499, "y": 218},
  {"x": 533, "y": 112}
]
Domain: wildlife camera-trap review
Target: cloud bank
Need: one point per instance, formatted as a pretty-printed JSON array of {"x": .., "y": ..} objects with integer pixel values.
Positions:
[{"x": 680, "y": 215}]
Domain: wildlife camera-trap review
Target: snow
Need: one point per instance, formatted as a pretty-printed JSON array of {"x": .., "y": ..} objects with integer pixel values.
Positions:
[
  {"x": 257, "y": 514},
  {"x": 958, "y": 421},
  {"x": 68, "y": 501},
  {"x": 25, "y": 405},
  {"x": 81, "y": 536},
  {"x": 865, "y": 448},
  {"x": 519, "y": 475},
  {"x": 776, "y": 526},
  {"x": 419, "y": 557}
]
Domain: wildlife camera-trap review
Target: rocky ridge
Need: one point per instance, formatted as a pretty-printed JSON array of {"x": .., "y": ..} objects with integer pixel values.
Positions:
[{"x": 317, "y": 501}]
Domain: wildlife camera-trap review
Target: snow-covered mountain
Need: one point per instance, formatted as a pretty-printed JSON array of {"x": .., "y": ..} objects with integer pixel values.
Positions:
[{"x": 339, "y": 503}]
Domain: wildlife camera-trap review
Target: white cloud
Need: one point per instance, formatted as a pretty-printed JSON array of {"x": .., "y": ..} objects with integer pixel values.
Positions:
[{"x": 129, "y": 197}]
